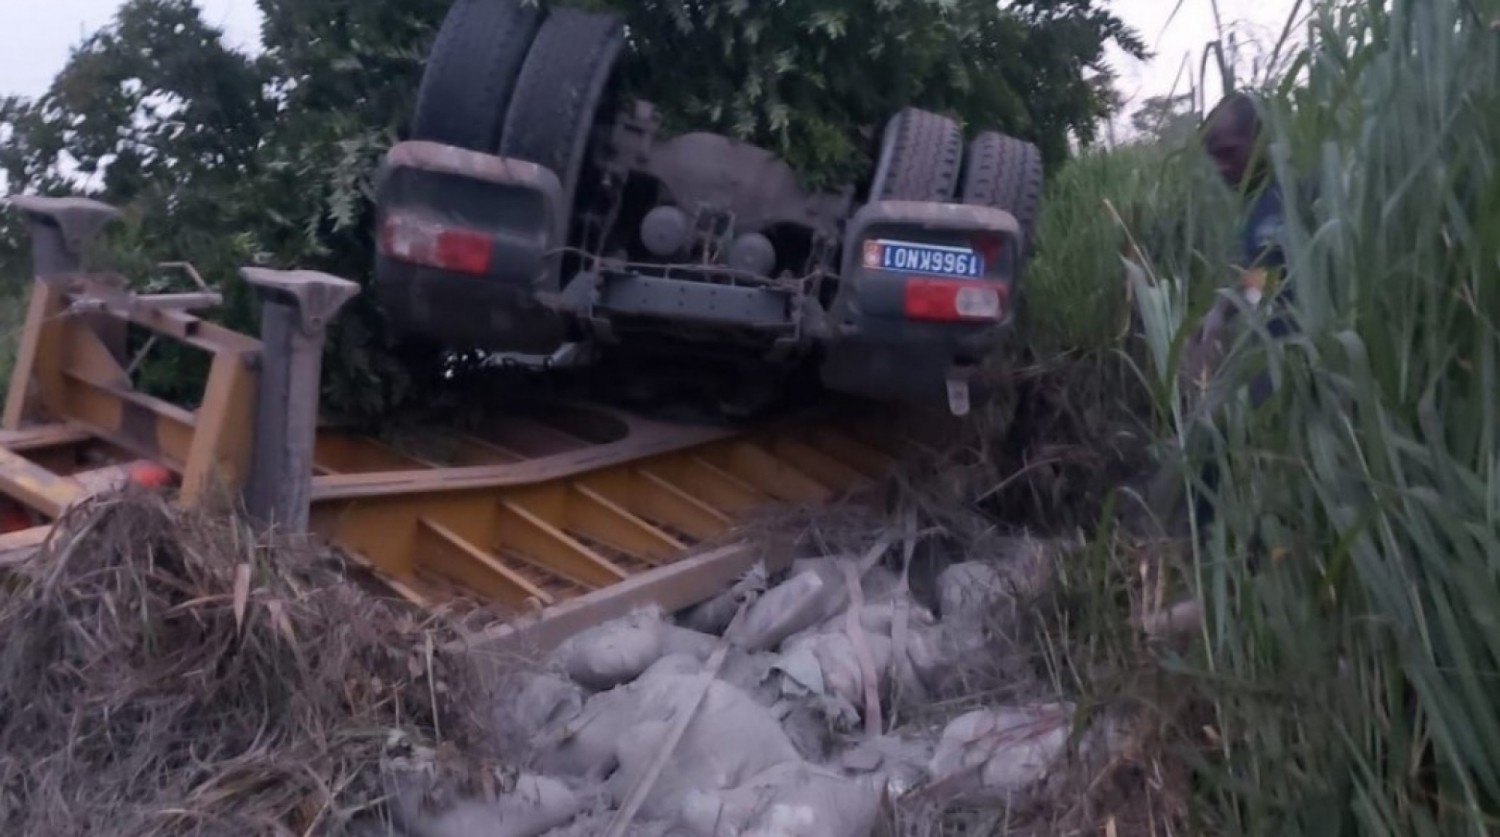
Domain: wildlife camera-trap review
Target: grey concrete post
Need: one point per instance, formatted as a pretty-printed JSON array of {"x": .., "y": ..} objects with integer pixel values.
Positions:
[
  {"x": 296, "y": 309},
  {"x": 61, "y": 229}
]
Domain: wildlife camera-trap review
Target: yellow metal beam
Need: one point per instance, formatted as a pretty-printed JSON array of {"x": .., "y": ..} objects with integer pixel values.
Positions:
[
  {"x": 469, "y": 450},
  {"x": 223, "y": 428},
  {"x": 38, "y": 359},
  {"x": 715, "y": 486},
  {"x": 57, "y": 435},
  {"x": 775, "y": 477},
  {"x": 35, "y": 486},
  {"x": 343, "y": 453},
  {"x": 826, "y": 469},
  {"x": 520, "y": 530},
  {"x": 653, "y": 498},
  {"x": 869, "y": 461},
  {"x": 145, "y": 426},
  {"x": 597, "y": 517},
  {"x": 533, "y": 438},
  {"x": 16, "y": 547},
  {"x": 459, "y": 561}
]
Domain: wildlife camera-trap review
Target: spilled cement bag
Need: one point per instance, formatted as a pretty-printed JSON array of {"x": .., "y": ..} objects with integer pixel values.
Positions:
[
  {"x": 535, "y": 806},
  {"x": 787, "y": 800},
  {"x": 615, "y": 652},
  {"x": 730, "y": 737},
  {"x": 994, "y": 754},
  {"x": 815, "y": 593},
  {"x": 729, "y": 740}
]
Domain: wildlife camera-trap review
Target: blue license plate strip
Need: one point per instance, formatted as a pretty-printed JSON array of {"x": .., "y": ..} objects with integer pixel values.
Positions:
[{"x": 929, "y": 259}]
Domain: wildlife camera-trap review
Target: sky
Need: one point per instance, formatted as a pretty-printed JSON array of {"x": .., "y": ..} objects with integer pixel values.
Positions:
[{"x": 36, "y": 35}]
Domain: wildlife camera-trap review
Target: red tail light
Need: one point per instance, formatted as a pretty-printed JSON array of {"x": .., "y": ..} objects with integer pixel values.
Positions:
[
  {"x": 13, "y": 518},
  {"x": 953, "y": 300},
  {"x": 426, "y": 243},
  {"x": 989, "y": 247}
]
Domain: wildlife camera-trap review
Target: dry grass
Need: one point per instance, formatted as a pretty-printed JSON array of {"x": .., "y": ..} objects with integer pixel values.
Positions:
[{"x": 164, "y": 673}]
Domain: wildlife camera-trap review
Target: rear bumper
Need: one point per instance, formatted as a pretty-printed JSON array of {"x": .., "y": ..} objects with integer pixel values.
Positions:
[
  {"x": 517, "y": 205},
  {"x": 873, "y": 348}
]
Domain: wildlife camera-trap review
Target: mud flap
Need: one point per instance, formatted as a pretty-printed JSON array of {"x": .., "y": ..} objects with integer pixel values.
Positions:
[{"x": 958, "y": 396}]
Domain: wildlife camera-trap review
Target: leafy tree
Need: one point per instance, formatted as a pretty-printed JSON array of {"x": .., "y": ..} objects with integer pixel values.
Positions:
[
  {"x": 815, "y": 80},
  {"x": 1169, "y": 120},
  {"x": 227, "y": 160}
]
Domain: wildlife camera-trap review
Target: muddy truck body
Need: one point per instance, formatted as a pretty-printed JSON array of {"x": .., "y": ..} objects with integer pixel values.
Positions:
[{"x": 539, "y": 216}]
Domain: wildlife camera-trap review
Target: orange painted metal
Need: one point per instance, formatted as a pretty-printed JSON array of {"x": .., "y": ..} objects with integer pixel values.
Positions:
[
  {"x": 538, "y": 508},
  {"x": 531, "y": 511}
]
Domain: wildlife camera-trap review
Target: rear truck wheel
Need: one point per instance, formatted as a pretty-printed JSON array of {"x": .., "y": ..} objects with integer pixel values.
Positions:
[
  {"x": 562, "y": 83},
  {"x": 1006, "y": 173},
  {"x": 471, "y": 72},
  {"x": 920, "y": 156}
]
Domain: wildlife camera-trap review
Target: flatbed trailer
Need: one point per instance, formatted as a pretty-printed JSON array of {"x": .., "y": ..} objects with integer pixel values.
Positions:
[{"x": 563, "y": 514}]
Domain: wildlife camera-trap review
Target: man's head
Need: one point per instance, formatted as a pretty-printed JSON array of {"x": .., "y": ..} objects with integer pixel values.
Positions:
[{"x": 1231, "y": 136}]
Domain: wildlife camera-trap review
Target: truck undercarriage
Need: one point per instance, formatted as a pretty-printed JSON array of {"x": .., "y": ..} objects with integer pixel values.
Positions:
[{"x": 539, "y": 215}]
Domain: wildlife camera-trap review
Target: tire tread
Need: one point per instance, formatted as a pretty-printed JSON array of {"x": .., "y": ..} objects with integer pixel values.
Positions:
[
  {"x": 924, "y": 152},
  {"x": 1006, "y": 173},
  {"x": 472, "y": 71}
]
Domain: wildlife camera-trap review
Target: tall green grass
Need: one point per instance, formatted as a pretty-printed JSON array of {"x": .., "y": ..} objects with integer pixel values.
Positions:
[
  {"x": 1351, "y": 650},
  {"x": 1141, "y": 200}
]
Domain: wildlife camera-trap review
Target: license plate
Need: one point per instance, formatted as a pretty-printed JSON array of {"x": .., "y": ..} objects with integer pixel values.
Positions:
[{"x": 929, "y": 259}]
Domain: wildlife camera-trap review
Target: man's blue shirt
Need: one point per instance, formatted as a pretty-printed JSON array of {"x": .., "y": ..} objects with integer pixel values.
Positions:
[
  {"x": 1264, "y": 233},
  {"x": 1264, "y": 240}
]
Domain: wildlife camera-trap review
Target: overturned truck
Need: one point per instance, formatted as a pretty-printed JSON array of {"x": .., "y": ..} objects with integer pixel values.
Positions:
[{"x": 539, "y": 215}]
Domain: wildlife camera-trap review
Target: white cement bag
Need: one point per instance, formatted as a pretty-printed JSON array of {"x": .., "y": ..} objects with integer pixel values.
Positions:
[
  {"x": 735, "y": 732},
  {"x": 838, "y": 663},
  {"x": 531, "y": 701},
  {"x": 613, "y": 653},
  {"x": 730, "y": 739},
  {"x": 787, "y": 800},
  {"x": 801, "y": 602},
  {"x": 992, "y": 755},
  {"x": 537, "y": 805}
]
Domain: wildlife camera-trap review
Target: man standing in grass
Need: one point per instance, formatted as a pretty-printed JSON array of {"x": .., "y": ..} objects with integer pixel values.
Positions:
[{"x": 1235, "y": 141}]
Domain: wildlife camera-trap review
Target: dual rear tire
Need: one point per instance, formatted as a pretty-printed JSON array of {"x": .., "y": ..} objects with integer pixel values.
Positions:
[
  {"x": 923, "y": 158},
  {"x": 471, "y": 72},
  {"x": 510, "y": 78},
  {"x": 507, "y": 77}
]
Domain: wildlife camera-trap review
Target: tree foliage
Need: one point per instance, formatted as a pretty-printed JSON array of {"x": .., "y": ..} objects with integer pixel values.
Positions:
[
  {"x": 226, "y": 159},
  {"x": 815, "y": 80},
  {"x": 1171, "y": 121}
]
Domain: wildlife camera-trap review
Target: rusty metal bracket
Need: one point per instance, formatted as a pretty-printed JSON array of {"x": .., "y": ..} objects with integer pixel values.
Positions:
[{"x": 297, "y": 307}]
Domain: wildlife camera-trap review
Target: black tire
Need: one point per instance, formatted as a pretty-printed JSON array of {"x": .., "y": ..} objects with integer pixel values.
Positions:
[
  {"x": 1006, "y": 173},
  {"x": 562, "y": 82},
  {"x": 920, "y": 156},
  {"x": 471, "y": 72}
]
